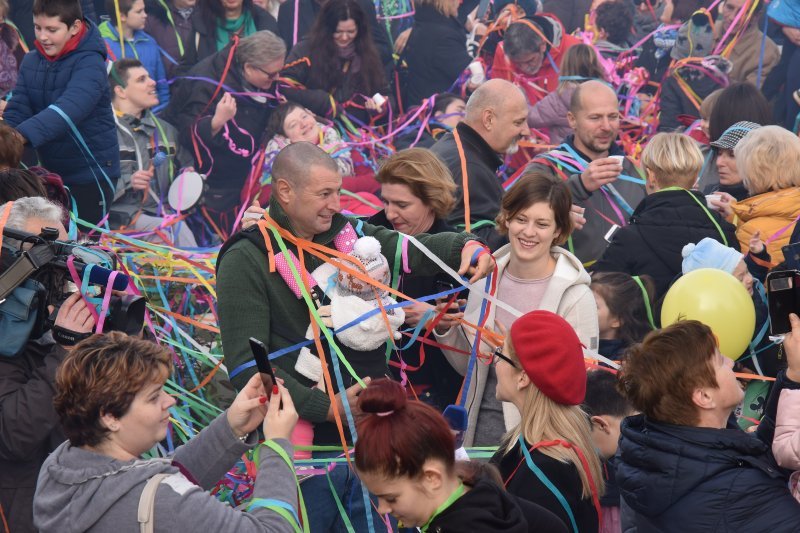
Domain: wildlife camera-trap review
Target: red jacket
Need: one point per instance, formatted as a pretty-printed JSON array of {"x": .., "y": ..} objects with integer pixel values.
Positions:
[{"x": 546, "y": 80}]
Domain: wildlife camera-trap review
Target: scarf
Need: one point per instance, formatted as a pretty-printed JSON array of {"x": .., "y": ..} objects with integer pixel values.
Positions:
[
  {"x": 350, "y": 59},
  {"x": 242, "y": 26},
  {"x": 70, "y": 45}
]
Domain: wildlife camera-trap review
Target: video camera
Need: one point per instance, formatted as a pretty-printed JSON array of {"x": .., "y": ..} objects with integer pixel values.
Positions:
[{"x": 38, "y": 272}]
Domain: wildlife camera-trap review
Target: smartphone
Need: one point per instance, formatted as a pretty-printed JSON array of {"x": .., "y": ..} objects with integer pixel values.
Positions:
[
  {"x": 260, "y": 355},
  {"x": 783, "y": 297},
  {"x": 444, "y": 286}
]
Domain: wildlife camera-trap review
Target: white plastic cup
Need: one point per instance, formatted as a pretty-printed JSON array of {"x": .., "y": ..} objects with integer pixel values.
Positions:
[
  {"x": 478, "y": 74},
  {"x": 715, "y": 197},
  {"x": 620, "y": 159},
  {"x": 379, "y": 99}
]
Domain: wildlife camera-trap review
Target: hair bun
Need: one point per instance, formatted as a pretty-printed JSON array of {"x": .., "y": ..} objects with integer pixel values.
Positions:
[{"x": 382, "y": 397}]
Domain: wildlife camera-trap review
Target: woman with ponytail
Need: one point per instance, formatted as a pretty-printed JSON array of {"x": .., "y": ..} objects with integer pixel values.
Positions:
[
  {"x": 549, "y": 457},
  {"x": 405, "y": 456}
]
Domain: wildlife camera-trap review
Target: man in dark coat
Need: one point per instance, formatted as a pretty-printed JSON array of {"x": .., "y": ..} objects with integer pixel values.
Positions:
[
  {"x": 29, "y": 428},
  {"x": 496, "y": 118},
  {"x": 62, "y": 106},
  {"x": 170, "y": 24},
  {"x": 682, "y": 465},
  {"x": 589, "y": 161},
  {"x": 671, "y": 217},
  {"x": 223, "y": 131}
]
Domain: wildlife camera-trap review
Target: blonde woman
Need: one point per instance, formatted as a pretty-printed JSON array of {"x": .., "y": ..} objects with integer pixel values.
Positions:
[
  {"x": 768, "y": 160},
  {"x": 548, "y": 458},
  {"x": 533, "y": 272}
]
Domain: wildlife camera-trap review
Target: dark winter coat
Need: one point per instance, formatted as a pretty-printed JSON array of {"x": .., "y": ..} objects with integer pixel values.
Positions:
[
  {"x": 662, "y": 224},
  {"x": 189, "y": 106},
  {"x": 436, "y": 54},
  {"x": 204, "y": 39},
  {"x": 308, "y": 12},
  {"x": 525, "y": 484},
  {"x": 485, "y": 187},
  {"x": 691, "y": 479},
  {"x": 76, "y": 83},
  {"x": 160, "y": 29},
  {"x": 485, "y": 508},
  {"x": 674, "y": 101},
  {"x": 571, "y": 13},
  {"x": 318, "y": 99},
  {"x": 29, "y": 427}
]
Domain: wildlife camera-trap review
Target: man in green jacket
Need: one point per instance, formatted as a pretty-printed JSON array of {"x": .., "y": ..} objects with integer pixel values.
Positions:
[{"x": 254, "y": 302}]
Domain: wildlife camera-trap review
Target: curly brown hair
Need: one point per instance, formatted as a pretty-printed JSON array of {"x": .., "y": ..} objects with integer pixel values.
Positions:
[{"x": 101, "y": 375}]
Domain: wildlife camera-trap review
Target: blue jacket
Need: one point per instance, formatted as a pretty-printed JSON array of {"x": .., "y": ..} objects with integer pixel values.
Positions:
[
  {"x": 690, "y": 479},
  {"x": 145, "y": 49},
  {"x": 78, "y": 85}
]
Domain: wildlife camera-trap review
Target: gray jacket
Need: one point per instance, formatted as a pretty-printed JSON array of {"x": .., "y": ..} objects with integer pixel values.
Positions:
[
  {"x": 140, "y": 139},
  {"x": 79, "y": 490},
  {"x": 588, "y": 243}
]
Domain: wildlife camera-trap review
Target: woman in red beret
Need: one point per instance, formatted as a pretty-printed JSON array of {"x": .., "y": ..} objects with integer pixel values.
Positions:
[{"x": 549, "y": 457}]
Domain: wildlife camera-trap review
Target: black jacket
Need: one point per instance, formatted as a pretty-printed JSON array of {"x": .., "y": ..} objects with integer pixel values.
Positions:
[
  {"x": 661, "y": 225},
  {"x": 29, "y": 427},
  {"x": 485, "y": 188},
  {"x": 204, "y": 39},
  {"x": 674, "y": 101},
  {"x": 485, "y": 508},
  {"x": 689, "y": 479},
  {"x": 318, "y": 99},
  {"x": 436, "y": 54},
  {"x": 525, "y": 484},
  {"x": 308, "y": 12},
  {"x": 188, "y": 106}
]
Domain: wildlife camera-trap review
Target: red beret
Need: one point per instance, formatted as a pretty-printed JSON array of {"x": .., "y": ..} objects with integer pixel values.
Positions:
[{"x": 551, "y": 355}]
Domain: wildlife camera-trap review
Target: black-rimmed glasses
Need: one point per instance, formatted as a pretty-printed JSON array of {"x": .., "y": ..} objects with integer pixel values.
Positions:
[{"x": 498, "y": 354}]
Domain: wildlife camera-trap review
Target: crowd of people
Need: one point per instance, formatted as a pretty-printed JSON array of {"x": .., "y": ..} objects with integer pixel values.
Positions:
[{"x": 514, "y": 266}]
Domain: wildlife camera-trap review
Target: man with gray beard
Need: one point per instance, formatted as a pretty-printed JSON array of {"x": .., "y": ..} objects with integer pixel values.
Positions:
[{"x": 495, "y": 120}]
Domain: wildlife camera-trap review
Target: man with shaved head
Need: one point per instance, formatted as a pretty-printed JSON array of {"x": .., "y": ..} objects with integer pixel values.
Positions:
[
  {"x": 494, "y": 122},
  {"x": 602, "y": 181},
  {"x": 255, "y": 302}
]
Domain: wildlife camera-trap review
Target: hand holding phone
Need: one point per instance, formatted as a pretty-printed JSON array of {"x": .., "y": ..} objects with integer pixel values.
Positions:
[{"x": 260, "y": 355}]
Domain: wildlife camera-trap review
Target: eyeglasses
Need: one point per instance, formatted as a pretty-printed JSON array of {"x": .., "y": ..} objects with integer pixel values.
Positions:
[
  {"x": 498, "y": 354},
  {"x": 270, "y": 75}
]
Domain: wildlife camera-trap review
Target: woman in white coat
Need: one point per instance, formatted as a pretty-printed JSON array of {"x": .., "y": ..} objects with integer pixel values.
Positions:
[{"x": 533, "y": 272}]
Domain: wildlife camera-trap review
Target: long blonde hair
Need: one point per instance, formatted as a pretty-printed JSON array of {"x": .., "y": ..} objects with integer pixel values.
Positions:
[{"x": 545, "y": 420}]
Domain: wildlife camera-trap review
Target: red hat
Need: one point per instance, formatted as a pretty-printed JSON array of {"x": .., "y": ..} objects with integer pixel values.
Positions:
[{"x": 551, "y": 355}]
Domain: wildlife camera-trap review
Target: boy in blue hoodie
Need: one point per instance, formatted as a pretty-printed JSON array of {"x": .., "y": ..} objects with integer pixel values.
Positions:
[
  {"x": 61, "y": 105},
  {"x": 138, "y": 44}
]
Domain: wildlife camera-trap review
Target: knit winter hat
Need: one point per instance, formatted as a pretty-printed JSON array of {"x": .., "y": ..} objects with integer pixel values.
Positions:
[
  {"x": 709, "y": 253},
  {"x": 695, "y": 37},
  {"x": 731, "y": 137},
  {"x": 368, "y": 251},
  {"x": 550, "y": 353}
]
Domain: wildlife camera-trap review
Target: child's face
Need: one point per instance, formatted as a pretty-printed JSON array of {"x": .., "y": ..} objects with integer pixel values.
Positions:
[
  {"x": 609, "y": 324},
  {"x": 135, "y": 18},
  {"x": 53, "y": 34}
]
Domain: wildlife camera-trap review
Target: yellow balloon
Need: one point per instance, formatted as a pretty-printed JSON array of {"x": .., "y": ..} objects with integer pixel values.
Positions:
[{"x": 719, "y": 301}]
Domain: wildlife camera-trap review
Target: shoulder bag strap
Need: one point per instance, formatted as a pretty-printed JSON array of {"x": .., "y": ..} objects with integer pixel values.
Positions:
[{"x": 147, "y": 503}]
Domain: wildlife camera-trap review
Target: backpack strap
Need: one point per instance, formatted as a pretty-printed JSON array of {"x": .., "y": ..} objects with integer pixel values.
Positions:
[{"x": 147, "y": 503}]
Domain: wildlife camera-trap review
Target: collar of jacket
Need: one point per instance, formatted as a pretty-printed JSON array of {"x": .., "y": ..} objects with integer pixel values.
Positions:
[
  {"x": 277, "y": 214},
  {"x": 472, "y": 138}
]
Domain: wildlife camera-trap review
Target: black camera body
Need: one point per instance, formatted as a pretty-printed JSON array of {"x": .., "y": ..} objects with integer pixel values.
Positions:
[{"x": 46, "y": 266}]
